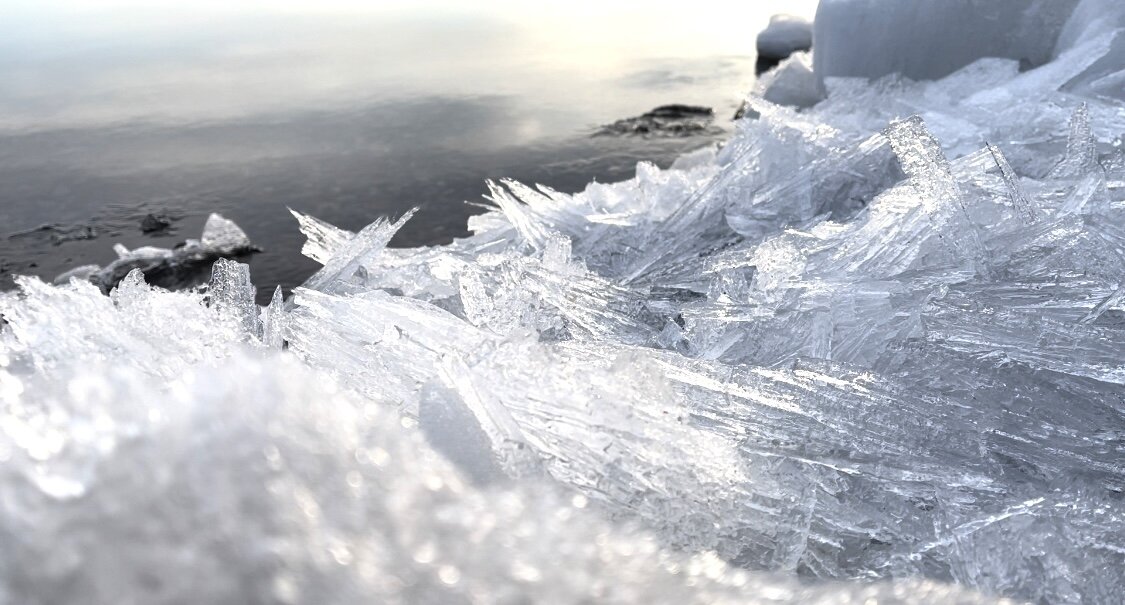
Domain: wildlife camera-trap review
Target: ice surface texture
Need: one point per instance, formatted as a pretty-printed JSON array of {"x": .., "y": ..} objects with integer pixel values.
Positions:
[{"x": 869, "y": 350}]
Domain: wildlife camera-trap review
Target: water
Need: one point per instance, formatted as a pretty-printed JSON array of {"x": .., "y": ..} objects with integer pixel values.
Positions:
[{"x": 110, "y": 110}]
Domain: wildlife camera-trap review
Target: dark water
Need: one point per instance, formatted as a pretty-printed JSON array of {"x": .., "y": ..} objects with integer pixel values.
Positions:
[{"x": 107, "y": 115}]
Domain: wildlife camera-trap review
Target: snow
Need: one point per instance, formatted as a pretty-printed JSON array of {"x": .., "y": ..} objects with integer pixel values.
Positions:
[{"x": 870, "y": 350}]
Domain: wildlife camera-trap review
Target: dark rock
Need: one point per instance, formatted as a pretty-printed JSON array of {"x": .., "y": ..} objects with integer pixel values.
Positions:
[
  {"x": 744, "y": 111},
  {"x": 666, "y": 121},
  {"x": 57, "y": 234},
  {"x": 152, "y": 223},
  {"x": 766, "y": 63},
  {"x": 679, "y": 112}
]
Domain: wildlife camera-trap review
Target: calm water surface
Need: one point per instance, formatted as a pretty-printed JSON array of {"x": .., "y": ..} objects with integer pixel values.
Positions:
[{"x": 348, "y": 111}]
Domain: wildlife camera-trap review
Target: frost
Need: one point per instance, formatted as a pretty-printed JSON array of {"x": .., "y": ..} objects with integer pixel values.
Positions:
[{"x": 871, "y": 350}]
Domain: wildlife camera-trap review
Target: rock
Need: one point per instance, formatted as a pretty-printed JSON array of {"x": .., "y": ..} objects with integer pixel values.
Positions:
[
  {"x": 153, "y": 223},
  {"x": 666, "y": 121},
  {"x": 58, "y": 234}
]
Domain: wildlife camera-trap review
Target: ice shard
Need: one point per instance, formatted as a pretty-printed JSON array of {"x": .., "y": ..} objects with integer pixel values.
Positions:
[{"x": 232, "y": 294}]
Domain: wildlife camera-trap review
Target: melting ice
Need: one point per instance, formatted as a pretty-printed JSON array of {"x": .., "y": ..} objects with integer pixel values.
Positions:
[{"x": 871, "y": 350}]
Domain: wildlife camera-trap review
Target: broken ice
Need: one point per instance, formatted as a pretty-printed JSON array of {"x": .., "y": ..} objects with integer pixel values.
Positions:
[{"x": 868, "y": 350}]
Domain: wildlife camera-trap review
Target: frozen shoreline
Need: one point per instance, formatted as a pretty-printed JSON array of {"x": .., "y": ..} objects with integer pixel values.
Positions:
[{"x": 867, "y": 350}]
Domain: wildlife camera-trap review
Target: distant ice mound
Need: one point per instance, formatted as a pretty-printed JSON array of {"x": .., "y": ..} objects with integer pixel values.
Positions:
[
  {"x": 785, "y": 35},
  {"x": 926, "y": 40},
  {"x": 871, "y": 351}
]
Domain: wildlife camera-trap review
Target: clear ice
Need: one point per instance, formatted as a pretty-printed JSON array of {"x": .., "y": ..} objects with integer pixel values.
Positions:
[{"x": 872, "y": 350}]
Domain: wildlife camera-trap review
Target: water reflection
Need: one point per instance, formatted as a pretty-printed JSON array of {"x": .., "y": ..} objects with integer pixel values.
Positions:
[{"x": 109, "y": 113}]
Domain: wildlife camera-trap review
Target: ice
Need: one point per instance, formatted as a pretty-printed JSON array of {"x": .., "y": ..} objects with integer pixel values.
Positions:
[
  {"x": 785, "y": 35},
  {"x": 926, "y": 40},
  {"x": 1090, "y": 19},
  {"x": 232, "y": 293},
  {"x": 870, "y": 349},
  {"x": 223, "y": 236},
  {"x": 791, "y": 83},
  {"x": 272, "y": 318},
  {"x": 257, "y": 479}
]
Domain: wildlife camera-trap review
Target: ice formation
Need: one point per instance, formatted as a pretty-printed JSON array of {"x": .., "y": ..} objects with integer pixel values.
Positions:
[
  {"x": 868, "y": 351},
  {"x": 872, "y": 38}
]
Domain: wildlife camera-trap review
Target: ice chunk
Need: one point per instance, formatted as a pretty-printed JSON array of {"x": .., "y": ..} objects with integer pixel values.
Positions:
[
  {"x": 223, "y": 236},
  {"x": 785, "y": 35},
  {"x": 931, "y": 177},
  {"x": 346, "y": 255},
  {"x": 926, "y": 40},
  {"x": 1113, "y": 300},
  {"x": 1090, "y": 19},
  {"x": 1097, "y": 19},
  {"x": 323, "y": 240},
  {"x": 791, "y": 83},
  {"x": 1081, "y": 148},
  {"x": 1019, "y": 201},
  {"x": 232, "y": 293},
  {"x": 272, "y": 318}
]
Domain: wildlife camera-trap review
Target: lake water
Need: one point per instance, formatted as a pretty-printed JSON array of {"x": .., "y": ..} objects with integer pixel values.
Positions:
[{"x": 111, "y": 109}]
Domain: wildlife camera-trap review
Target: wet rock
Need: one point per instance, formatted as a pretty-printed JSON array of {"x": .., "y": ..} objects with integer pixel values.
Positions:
[
  {"x": 57, "y": 234},
  {"x": 153, "y": 223},
  {"x": 665, "y": 121}
]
